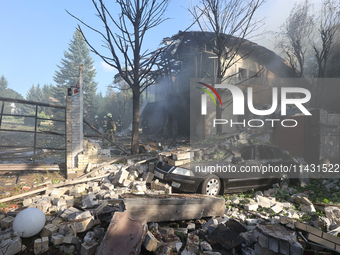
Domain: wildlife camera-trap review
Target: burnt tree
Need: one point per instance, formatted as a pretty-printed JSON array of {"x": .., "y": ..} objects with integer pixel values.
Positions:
[
  {"x": 227, "y": 20},
  {"x": 136, "y": 18},
  {"x": 328, "y": 27},
  {"x": 293, "y": 38}
]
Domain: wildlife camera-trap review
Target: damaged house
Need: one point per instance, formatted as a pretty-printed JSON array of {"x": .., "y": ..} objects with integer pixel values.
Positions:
[
  {"x": 189, "y": 60},
  {"x": 174, "y": 101}
]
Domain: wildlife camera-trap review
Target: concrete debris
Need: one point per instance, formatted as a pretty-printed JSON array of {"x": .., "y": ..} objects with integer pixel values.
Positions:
[
  {"x": 333, "y": 213},
  {"x": 205, "y": 246},
  {"x": 317, "y": 236},
  {"x": 150, "y": 242},
  {"x": 225, "y": 237},
  {"x": 7, "y": 222},
  {"x": 10, "y": 242},
  {"x": 121, "y": 177},
  {"x": 69, "y": 249},
  {"x": 166, "y": 230},
  {"x": 251, "y": 207},
  {"x": 90, "y": 201},
  {"x": 247, "y": 225},
  {"x": 89, "y": 237},
  {"x": 48, "y": 230},
  {"x": 277, "y": 208},
  {"x": 192, "y": 244},
  {"x": 124, "y": 235},
  {"x": 172, "y": 241},
  {"x": 308, "y": 208},
  {"x": 57, "y": 239},
  {"x": 72, "y": 239},
  {"x": 83, "y": 225},
  {"x": 88, "y": 248},
  {"x": 41, "y": 245},
  {"x": 265, "y": 202}
]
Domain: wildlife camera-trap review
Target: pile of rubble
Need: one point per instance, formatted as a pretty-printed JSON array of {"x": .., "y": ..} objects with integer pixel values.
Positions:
[
  {"x": 70, "y": 209},
  {"x": 88, "y": 216},
  {"x": 198, "y": 152}
]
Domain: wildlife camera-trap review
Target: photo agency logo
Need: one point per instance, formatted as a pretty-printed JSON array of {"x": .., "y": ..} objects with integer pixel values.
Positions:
[{"x": 238, "y": 103}]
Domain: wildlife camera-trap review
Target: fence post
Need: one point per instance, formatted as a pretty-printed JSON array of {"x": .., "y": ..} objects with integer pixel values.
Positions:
[
  {"x": 35, "y": 132},
  {"x": 2, "y": 111}
]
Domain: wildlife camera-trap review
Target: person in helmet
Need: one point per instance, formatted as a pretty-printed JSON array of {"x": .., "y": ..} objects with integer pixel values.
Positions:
[
  {"x": 104, "y": 124},
  {"x": 96, "y": 122},
  {"x": 145, "y": 125},
  {"x": 110, "y": 126},
  {"x": 119, "y": 123}
]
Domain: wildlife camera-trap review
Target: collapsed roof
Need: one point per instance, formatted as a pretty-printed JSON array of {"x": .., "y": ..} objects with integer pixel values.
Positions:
[{"x": 183, "y": 43}]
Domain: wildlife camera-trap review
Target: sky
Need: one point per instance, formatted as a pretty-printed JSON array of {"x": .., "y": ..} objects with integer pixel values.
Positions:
[{"x": 35, "y": 34}]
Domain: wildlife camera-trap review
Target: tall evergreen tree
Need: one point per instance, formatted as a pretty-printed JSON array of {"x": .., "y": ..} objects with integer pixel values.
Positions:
[
  {"x": 3, "y": 83},
  {"x": 33, "y": 94},
  {"x": 67, "y": 76},
  {"x": 47, "y": 92},
  {"x": 9, "y": 93}
]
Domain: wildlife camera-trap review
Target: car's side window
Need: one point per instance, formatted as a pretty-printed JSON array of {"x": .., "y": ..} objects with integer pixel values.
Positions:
[
  {"x": 248, "y": 154},
  {"x": 277, "y": 153},
  {"x": 265, "y": 152}
]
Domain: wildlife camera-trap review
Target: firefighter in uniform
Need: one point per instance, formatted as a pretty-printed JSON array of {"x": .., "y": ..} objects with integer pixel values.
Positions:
[
  {"x": 145, "y": 126},
  {"x": 119, "y": 123},
  {"x": 110, "y": 127},
  {"x": 104, "y": 124},
  {"x": 96, "y": 122}
]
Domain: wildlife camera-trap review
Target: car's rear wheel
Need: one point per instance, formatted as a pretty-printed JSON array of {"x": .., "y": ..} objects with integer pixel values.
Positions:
[{"x": 211, "y": 186}]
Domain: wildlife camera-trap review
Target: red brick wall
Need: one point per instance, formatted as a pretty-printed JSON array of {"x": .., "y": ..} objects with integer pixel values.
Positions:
[{"x": 290, "y": 138}]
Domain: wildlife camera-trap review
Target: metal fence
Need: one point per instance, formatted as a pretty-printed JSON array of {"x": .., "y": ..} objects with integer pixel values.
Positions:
[{"x": 35, "y": 105}]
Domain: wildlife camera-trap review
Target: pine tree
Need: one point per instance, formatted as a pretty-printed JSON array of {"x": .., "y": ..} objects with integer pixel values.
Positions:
[
  {"x": 47, "y": 92},
  {"x": 9, "y": 93},
  {"x": 3, "y": 83},
  {"x": 31, "y": 95},
  {"x": 67, "y": 76},
  {"x": 5, "y": 91}
]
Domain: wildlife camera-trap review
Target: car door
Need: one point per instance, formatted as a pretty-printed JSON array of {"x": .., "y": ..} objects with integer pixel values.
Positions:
[
  {"x": 268, "y": 158},
  {"x": 247, "y": 181}
]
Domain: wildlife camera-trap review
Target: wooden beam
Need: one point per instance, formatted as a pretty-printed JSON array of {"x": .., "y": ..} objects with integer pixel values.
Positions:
[
  {"x": 109, "y": 163},
  {"x": 121, "y": 148},
  {"x": 143, "y": 161},
  {"x": 29, "y": 167},
  {"x": 53, "y": 186}
]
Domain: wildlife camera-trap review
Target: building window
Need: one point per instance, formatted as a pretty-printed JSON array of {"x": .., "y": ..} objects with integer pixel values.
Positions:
[{"x": 242, "y": 73}]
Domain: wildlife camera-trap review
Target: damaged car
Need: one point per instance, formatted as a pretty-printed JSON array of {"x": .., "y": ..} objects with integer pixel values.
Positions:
[{"x": 245, "y": 168}]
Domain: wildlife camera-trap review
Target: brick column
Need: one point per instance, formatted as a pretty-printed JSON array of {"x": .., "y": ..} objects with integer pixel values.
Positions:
[{"x": 74, "y": 126}]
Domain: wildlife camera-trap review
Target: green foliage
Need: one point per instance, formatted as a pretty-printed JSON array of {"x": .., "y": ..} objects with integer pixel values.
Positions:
[
  {"x": 117, "y": 102},
  {"x": 55, "y": 181},
  {"x": 306, "y": 217},
  {"x": 179, "y": 234},
  {"x": 319, "y": 213},
  {"x": 282, "y": 195},
  {"x": 67, "y": 76},
  {"x": 219, "y": 155},
  {"x": 3, "y": 83},
  {"x": 319, "y": 193},
  {"x": 9, "y": 93}
]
